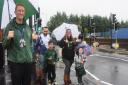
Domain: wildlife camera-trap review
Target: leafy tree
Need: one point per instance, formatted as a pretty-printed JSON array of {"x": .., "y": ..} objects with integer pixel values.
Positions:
[
  {"x": 74, "y": 19},
  {"x": 57, "y": 20},
  {"x": 102, "y": 24}
]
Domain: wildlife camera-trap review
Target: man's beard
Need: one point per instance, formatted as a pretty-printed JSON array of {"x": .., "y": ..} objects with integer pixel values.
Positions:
[{"x": 45, "y": 34}]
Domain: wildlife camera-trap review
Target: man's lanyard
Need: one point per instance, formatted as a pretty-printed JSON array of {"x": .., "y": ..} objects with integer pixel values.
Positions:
[
  {"x": 21, "y": 33},
  {"x": 22, "y": 42}
]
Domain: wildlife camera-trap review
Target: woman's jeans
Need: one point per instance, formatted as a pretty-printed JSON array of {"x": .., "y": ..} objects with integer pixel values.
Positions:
[{"x": 68, "y": 64}]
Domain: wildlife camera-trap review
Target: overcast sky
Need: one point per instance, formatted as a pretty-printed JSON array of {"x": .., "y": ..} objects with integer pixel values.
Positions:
[
  {"x": 85, "y": 7},
  {"x": 92, "y": 7}
]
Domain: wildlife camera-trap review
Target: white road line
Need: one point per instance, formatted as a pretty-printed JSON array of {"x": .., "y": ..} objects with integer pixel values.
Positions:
[
  {"x": 96, "y": 78},
  {"x": 105, "y": 83},
  {"x": 110, "y": 57}
]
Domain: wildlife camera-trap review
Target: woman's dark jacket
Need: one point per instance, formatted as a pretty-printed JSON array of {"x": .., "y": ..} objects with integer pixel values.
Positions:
[{"x": 68, "y": 49}]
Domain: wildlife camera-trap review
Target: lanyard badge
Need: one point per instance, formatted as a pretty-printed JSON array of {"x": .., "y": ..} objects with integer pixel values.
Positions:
[{"x": 22, "y": 43}]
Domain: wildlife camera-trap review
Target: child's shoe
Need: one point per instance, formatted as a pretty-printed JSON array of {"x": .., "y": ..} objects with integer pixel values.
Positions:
[{"x": 49, "y": 82}]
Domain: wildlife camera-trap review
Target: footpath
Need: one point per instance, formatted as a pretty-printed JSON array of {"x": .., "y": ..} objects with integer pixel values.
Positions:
[{"x": 108, "y": 49}]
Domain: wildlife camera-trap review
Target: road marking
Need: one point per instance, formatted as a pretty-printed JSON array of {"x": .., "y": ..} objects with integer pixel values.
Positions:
[
  {"x": 96, "y": 78},
  {"x": 93, "y": 76},
  {"x": 106, "y": 83},
  {"x": 110, "y": 57}
]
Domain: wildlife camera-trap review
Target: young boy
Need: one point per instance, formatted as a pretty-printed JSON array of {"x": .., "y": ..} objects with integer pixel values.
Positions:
[
  {"x": 79, "y": 60},
  {"x": 51, "y": 59}
]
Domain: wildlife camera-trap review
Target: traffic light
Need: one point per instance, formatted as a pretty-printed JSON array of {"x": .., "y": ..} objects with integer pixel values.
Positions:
[
  {"x": 92, "y": 22},
  {"x": 114, "y": 20},
  {"x": 39, "y": 22}
]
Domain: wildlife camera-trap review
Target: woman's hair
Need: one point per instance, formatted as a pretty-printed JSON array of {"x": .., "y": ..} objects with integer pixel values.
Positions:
[
  {"x": 81, "y": 37},
  {"x": 77, "y": 51},
  {"x": 71, "y": 37}
]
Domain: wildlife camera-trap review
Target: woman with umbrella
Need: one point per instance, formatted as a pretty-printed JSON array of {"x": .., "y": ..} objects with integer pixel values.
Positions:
[{"x": 68, "y": 46}]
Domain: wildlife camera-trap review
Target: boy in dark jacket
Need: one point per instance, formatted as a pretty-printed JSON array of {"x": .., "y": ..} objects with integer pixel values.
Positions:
[{"x": 51, "y": 59}]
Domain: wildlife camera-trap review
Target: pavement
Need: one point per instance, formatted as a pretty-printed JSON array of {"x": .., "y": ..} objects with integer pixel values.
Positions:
[
  {"x": 89, "y": 79},
  {"x": 108, "y": 49}
]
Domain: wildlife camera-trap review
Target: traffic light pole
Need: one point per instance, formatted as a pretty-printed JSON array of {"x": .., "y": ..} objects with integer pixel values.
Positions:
[
  {"x": 114, "y": 25},
  {"x": 94, "y": 34},
  {"x": 90, "y": 41},
  {"x": 92, "y": 25},
  {"x": 111, "y": 37}
]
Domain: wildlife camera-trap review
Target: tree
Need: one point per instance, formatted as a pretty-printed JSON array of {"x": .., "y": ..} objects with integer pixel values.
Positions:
[
  {"x": 102, "y": 24},
  {"x": 57, "y": 20},
  {"x": 74, "y": 19}
]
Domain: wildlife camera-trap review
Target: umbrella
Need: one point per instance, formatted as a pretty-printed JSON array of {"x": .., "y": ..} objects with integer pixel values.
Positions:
[
  {"x": 8, "y": 7},
  {"x": 87, "y": 48},
  {"x": 59, "y": 32}
]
